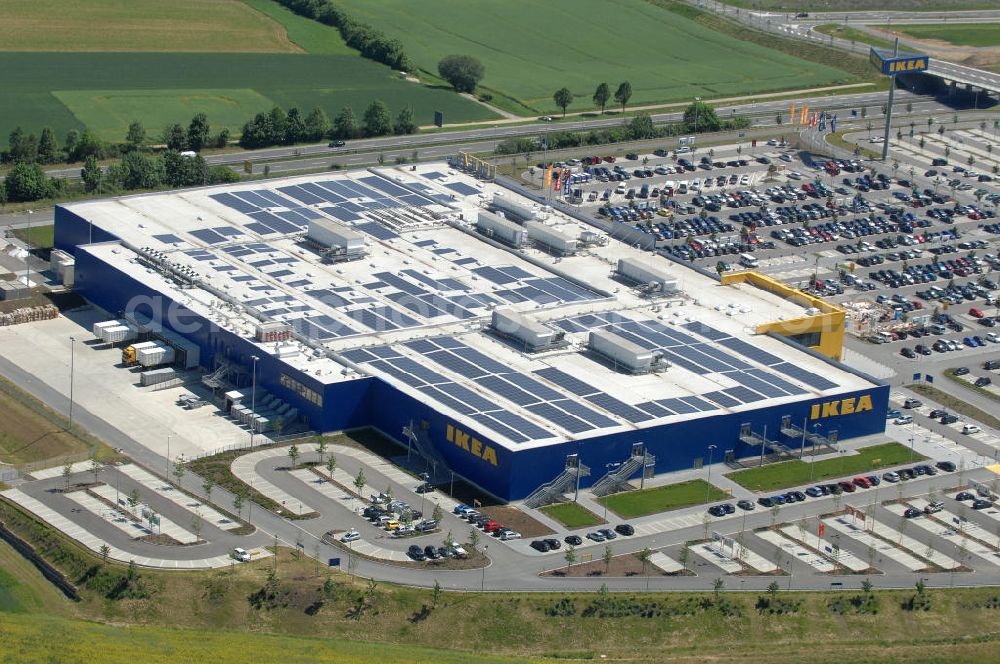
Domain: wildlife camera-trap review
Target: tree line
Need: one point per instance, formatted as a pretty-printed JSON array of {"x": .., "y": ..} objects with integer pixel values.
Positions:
[
  {"x": 136, "y": 169},
  {"x": 371, "y": 43},
  {"x": 698, "y": 117},
  {"x": 277, "y": 127}
]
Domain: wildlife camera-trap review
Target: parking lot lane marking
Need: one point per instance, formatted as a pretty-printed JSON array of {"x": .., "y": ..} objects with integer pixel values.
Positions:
[
  {"x": 165, "y": 527},
  {"x": 131, "y": 528}
]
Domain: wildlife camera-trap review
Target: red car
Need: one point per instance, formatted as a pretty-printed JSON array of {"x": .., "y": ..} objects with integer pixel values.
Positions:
[
  {"x": 490, "y": 526},
  {"x": 975, "y": 313},
  {"x": 862, "y": 482},
  {"x": 847, "y": 487}
]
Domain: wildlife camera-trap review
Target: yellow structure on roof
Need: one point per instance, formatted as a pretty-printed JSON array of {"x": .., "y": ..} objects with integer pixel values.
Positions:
[{"x": 823, "y": 332}]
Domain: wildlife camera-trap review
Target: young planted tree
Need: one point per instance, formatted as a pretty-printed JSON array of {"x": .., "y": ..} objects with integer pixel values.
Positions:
[
  {"x": 602, "y": 95},
  {"x": 623, "y": 94},
  {"x": 360, "y": 481},
  {"x": 321, "y": 446},
  {"x": 570, "y": 557},
  {"x": 608, "y": 555},
  {"x": 293, "y": 455},
  {"x": 563, "y": 98},
  {"x": 331, "y": 465}
]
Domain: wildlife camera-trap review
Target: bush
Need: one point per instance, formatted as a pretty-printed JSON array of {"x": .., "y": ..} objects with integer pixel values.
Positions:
[
  {"x": 463, "y": 72},
  {"x": 564, "y": 608}
]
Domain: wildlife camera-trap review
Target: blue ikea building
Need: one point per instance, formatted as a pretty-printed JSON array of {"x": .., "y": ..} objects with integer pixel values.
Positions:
[{"x": 496, "y": 417}]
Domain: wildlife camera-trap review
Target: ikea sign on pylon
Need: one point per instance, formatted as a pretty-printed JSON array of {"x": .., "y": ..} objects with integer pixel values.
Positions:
[{"x": 890, "y": 63}]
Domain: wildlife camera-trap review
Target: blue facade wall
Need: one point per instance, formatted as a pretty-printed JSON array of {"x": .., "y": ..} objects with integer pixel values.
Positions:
[
  {"x": 372, "y": 402},
  {"x": 116, "y": 292},
  {"x": 72, "y": 231}
]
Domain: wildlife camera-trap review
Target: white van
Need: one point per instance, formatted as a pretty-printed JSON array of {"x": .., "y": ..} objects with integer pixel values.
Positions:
[{"x": 746, "y": 260}]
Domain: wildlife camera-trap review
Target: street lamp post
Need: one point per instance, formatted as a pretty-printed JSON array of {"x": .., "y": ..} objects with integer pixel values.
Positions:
[
  {"x": 482, "y": 586},
  {"x": 168, "y": 453},
  {"x": 253, "y": 399},
  {"x": 72, "y": 368},
  {"x": 812, "y": 464},
  {"x": 708, "y": 489}
]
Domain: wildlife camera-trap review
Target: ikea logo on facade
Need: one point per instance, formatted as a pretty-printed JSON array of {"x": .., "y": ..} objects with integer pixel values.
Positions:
[
  {"x": 474, "y": 446},
  {"x": 909, "y": 64},
  {"x": 841, "y": 407}
]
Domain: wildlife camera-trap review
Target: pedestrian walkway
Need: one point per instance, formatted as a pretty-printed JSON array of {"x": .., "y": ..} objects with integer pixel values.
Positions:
[
  {"x": 796, "y": 551},
  {"x": 162, "y": 525},
  {"x": 375, "y": 551},
  {"x": 133, "y": 529},
  {"x": 179, "y": 498},
  {"x": 665, "y": 562},
  {"x": 245, "y": 468},
  {"x": 95, "y": 544},
  {"x": 754, "y": 560},
  {"x": 59, "y": 471},
  {"x": 845, "y": 558},
  {"x": 717, "y": 558},
  {"x": 879, "y": 545}
]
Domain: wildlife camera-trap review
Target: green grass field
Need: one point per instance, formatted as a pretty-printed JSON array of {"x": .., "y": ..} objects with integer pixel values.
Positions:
[
  {"x": 796, "y": 473},
  {"x": 140, "y": 25},
  {"x": 630, "y": 504},
  {"x": 311, "y": 36},
  {"x": 572, "y": 515},
  {"x": 960, "y": 34},
  {"x": 531, "y": 49},
  {"x": 108, "y": 90}
]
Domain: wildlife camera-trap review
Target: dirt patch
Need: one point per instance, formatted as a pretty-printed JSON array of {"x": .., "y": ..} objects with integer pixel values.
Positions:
[
  {"x": 627, "y": 565},
  {"x": 160, "y": 539},
  {"x": 517, "y": 520}
]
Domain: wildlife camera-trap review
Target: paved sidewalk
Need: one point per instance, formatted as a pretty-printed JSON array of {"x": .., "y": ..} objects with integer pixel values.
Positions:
[
  {"x": 57, "y": 471},
  {"x": 245, "y": 468},
  {"x": 94, "y": 543},
  {"x": 165, "y": 527},
  {"x": 665, "y": 563},
  {"x": 796, "y": 551}
]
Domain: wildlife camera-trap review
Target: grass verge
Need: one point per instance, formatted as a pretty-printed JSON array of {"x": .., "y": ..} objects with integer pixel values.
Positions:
[
  {"x": 221, "y": 614},
  {"x": 797, "y": 473},
  {"x": 572, "y": 515},
  {"x": 641, "y": 502},
  {"x": 31, "y": 432},
  {"x": 852, "y": 35},
  {"x": 40, "y": 237},
  {"x": 978, "y": 35},
  {"x": 954, "y": 403}
]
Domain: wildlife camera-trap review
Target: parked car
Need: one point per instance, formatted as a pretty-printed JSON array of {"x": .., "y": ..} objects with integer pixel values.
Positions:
[
  {"x": 350, "y": 536},
  {"x": 981, "y": 504},
  {"x": 241, "y": 555},
  {"x": 625, "y": 529},
  {"x": 416, "y": 553},
  {"x": 541, "y": 545},
  {"x": 574, "y": 540},
  {"x": 596, "y": 536},
  {"x": 912, "y": 513},
  {"x": 946, "y": 466}
]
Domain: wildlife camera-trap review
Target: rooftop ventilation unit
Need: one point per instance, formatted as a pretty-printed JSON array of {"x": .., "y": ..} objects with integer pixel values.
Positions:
[
  {"x": 498, "y": 228},
  {"x": 623, "y": 354},
  {"x": 514, "y": 209},
  {"x": 531, "y": 335},
  {"x": 649, "y": 279},
  {"x": 556, "y": 242},
  {"x": 337, "y": 242}
]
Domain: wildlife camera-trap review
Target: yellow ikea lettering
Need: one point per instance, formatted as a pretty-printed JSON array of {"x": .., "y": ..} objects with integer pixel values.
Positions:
[
  {"x": 849, "y": 406},
  {"x": 470, "y": 444}
]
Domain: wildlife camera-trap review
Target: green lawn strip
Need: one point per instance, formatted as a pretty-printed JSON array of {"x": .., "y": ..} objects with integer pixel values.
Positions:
[
  {"x": 794, "y": 6},
  {"x": 853, "y": 34},
  {"x": 572, "y": 515},
  {"x": 41, "y": 237},
  {"x": 957, "y": 404},
  {"x": 641, "y": 502},
  {"x": 796, "y": 473},
  {"x": 978, "y": 35}
]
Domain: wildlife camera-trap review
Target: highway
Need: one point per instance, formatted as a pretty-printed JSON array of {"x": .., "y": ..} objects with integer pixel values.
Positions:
[{"x": 801, "y": 27}]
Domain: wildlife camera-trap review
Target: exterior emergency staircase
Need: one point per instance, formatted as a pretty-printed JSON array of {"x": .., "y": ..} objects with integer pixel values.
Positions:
[
  {"x": 552, "y": 492},
  {"x": 617, "y": 479}
]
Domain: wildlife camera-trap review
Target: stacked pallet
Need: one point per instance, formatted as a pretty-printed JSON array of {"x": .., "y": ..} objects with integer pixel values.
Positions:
[{"x": 29, "y": 315}]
